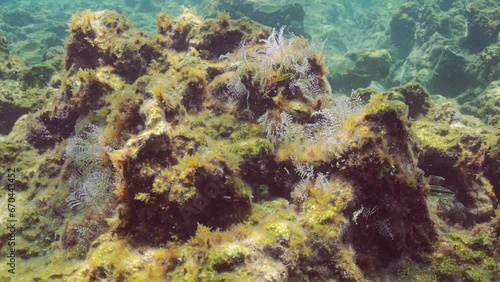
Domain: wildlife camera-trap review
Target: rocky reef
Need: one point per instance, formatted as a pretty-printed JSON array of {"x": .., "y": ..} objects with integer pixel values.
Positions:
[{"x": 214, "y": 150}]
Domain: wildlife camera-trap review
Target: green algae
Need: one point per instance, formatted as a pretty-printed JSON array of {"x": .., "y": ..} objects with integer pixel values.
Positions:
[{"x": 174, "y": 136}]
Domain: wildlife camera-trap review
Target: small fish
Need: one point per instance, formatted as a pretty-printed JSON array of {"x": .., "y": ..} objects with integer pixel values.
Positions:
[
  {"x": 440, "y": 191},
  {"x": 436, "y": 180},
  {"x": 358, "y": 74},
  {"x": 284, "y": 76}
]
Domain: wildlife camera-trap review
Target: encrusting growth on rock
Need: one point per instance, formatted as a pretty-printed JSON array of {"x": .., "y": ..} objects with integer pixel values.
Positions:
[{"x": 214, "y": 150}]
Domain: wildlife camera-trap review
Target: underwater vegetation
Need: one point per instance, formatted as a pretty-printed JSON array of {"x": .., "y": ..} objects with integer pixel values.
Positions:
[{"x": 215, "y": 150}]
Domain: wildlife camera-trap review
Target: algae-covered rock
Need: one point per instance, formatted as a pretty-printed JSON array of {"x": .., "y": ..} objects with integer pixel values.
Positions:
[
  {"x": 369, "y": 65},
  {"x": 492, "y": 163},
  {"x": 403, "y": 26},
  {"x": 453, "y": 149},
  {"x": 214, "y": 150},
  {"x": 38, "y": 75},
  {"x": 447, "y": 46},
  {"x": 104, "y": 38},
  {"x": 488, "y": 65},
  {"x": 486, "y": 105},
  {"x": 220, "y": 37},
  {"x": 271, "y": 13},
  {"x": 439, "y": 65},
  {"x": 9, "y": 113},
  {"x": 451, "y": 76},
  {"x": 394, "y": 178},
  {"x": 169, "y": 193},
  {"x": 19, "y": 18},
  {"x": 22, "y": 87},
  {"x": 464, "y": 252},
  {"x": 483, "y": 24},
  {"x": 416, "y": 97}
]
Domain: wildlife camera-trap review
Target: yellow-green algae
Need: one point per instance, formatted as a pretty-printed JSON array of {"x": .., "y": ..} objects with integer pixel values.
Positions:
[{"x": 169, "y": 127}]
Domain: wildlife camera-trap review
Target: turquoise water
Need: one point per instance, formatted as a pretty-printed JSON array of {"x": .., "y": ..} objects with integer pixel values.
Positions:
[
  {"x": 250, "y": 140},
  {"x": 33, "y": 27}
]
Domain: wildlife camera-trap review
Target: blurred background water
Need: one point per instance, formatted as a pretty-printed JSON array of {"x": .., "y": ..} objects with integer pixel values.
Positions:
[
  {"x": 33, "y": 26},
  {"x": 438, "y": 43}
]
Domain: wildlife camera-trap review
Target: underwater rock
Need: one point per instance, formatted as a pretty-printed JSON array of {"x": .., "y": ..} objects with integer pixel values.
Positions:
[
  {"x": 52, "y": 40},
  {"x": 22, "y": 87},
  {"x": 290, "y": 15},
  {"x": 104, "y": 38},
  {"x": 38, "y": 75},
  {"x": 416, "y": 98},
  {"x": 10, "y": 107},
  {"x": 11, "y": 67},
  {"x": 389, "y": 210},
  {"x": 272, "y": 178},
  {"x": 445, "y": 5},
  {"x": 491, "y": 165},
  {"x": 453, "y": 148},
  {"x": 90, "y": 38},
  {"x": 19, "y": 18},
  {"x": 48, "y": 128},
  {"x": 169, "y": 194},
  {"x": 220, "y": 37},
  {"x": 487, "y": 67},
  {"x": 429, "y": 18},
  {"x": 483, "y": 24},
  {"x": 170, "y": 185},
  {"x": 173, "y": 32},
  {"x": 432, "y": 39},
  {"x": 439, "y": 65},
  {"x": 486, "y": 105},
  {"x": 75, "y": 97},
  {"x": 10, "y": 111},
  {"x": 369, "y": 65},
  {"x": 412, "y": 94},
  {"x": 54, "y": 53},
  {"x": 451, "y": 77},
  {"x": 402, "y": 27},
  {"x": 274, "y": 14},
  {"x": 97, "y": 64},
  {"x": 230, "y": 159},
  {"x": 211, "y": 38}
]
